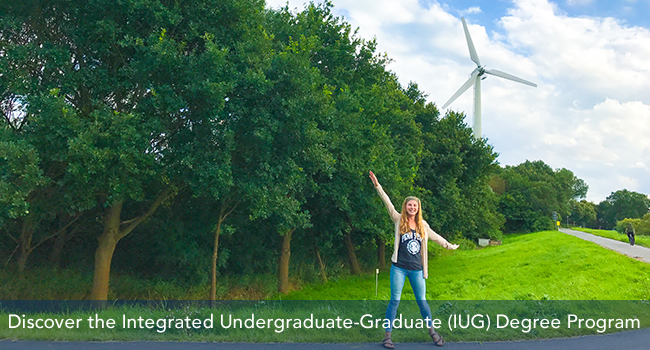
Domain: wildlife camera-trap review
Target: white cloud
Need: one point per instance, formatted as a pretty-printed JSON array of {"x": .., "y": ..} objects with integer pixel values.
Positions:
[
  {"x": 598, "y": 56},
  {"x": 470, "y": 11},
  {"x": 598, "y": 102},
  {"x": 590, "y": 112}
]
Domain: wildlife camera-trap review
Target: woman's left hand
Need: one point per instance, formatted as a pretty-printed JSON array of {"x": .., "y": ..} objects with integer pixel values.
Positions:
[{"x": 374, "y": 179}]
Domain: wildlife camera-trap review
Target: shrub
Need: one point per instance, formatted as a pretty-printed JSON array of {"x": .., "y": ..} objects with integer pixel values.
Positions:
[
  {"x": 464, "y": 243},
  {"x": 641, "y": 226}
]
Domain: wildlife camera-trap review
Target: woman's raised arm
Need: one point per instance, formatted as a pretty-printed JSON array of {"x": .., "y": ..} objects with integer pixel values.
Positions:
[{"x": 394, "y": 215}]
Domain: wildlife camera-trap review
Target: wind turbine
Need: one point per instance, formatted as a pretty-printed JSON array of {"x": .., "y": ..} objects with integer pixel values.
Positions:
[{"x": 475, "y": 79}]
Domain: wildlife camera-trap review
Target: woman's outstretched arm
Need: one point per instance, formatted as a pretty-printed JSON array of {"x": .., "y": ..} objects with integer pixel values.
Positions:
[
  {"x": 394, "y": 215},
  {"x": 432, "y": 235}
]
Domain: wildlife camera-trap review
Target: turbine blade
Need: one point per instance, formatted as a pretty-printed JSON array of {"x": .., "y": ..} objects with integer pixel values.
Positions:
[
  {"x": 472, "y": 51},
  {"x": 504, "y": 75},
  {"x": 467, "y": 85}
]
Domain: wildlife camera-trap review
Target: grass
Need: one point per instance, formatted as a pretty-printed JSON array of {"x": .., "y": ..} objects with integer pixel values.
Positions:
[
  {"x": 538, "y": 266},
  {"x": 545, "y": 275},
  {"x": 50, "y": 284},
  {"x": 611, "y": 234}
]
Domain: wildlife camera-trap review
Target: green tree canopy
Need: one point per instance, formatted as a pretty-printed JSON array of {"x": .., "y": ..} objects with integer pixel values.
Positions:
[
  {"x": 583, "y": 213},
  {"x": 533, "y": 191},
  {"x": 130, "y": 80},
  {"x": 620, "y": 205}
]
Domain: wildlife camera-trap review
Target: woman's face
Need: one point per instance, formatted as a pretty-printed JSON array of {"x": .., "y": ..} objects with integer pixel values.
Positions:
[{"x": 412, "y": 207}]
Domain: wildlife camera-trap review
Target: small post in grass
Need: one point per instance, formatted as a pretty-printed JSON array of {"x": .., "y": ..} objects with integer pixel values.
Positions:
[{"x": 377, "y": 283}]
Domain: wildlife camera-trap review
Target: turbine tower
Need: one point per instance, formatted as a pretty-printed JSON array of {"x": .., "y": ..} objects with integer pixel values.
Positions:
[{"x": 475, "y": 79}]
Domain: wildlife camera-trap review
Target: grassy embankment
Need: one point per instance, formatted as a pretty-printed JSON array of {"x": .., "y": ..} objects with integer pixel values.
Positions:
[
  {"x": 533, "y": 267},
  {"x": 611, "y": 234},
  {"x": 544, "y": 265}
]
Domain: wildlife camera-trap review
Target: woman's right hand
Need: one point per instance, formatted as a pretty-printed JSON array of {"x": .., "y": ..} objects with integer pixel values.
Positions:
[{"x": 374, "y": 179}]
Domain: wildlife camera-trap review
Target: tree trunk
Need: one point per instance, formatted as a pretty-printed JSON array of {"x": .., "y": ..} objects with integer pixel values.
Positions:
[
  {"x": 104, "y": 253},
  {"x": 112, "y": 234},
  {"x": 26, "y": 236},
  {"x": 63, "y": 236},
  {"x": 323, "y": 273},
  {"x": 57, "y": 249},
  {"x": 352, "y": 256},
  {"x": 285, "y": 255},
  {"x": 26, "y": 242},
  {"x": 213, "y": 284},
  {"x": 223, "y": 214},
  {"x": 381, "y": 253}
]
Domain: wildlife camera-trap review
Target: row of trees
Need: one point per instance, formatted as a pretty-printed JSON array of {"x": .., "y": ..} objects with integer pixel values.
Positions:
[
  {"x": 619, "y": 205},
  {"x": 191, "y": 141},
  {"x": 214, "y": 137},
  {"x": 530, "y": 192}
]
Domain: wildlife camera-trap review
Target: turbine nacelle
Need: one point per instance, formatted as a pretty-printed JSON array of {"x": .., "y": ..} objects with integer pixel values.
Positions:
[{"x": 479, "y": 73}]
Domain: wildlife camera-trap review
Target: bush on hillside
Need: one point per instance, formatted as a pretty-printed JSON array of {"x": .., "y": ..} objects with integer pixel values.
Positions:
[{"x": 641, "y": 226}]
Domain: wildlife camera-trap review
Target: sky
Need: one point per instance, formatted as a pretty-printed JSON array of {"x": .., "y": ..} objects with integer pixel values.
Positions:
[{"x": 590, "y": 112}]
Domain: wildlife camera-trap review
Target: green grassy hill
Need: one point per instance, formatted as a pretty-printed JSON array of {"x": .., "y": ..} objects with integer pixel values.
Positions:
[
  {"x": 537, "y": 266},
  {"x": 545, "y": 265}
]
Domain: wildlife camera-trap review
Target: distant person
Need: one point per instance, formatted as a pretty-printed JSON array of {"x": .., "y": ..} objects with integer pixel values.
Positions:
[
  {"x": 409, "y": 259},
  {"x": 630, "y": 233}
]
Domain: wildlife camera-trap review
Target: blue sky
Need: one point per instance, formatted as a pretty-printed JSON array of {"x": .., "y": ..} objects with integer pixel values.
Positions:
[
  {"x": 632, "y": 12},
  {"x": 590, "y": 59}
]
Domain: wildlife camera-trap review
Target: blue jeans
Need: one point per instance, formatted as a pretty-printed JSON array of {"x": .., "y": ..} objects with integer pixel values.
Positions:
[{"x": 416, "y": 278}]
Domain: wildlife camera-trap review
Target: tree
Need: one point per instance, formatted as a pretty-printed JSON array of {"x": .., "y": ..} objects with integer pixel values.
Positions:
[
  {"x": 367, "y": 125},
  {"x": 279, "y": 144},
  {"x": 33, "y": 130},
  {"x": 20, "y": 179},
  {"x": 620, "y": 205},
  {"x": 533, "y": 191},
  {"x": 138, "y": 101},
  {"x": 583, "y": 213}
]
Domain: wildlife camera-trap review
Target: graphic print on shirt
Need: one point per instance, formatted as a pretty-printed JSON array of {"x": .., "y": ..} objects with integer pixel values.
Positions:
[{"x": 414, "y": 245}]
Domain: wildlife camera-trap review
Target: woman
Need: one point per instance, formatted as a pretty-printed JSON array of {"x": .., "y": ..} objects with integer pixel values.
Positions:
[{"x": 409, "y": 258}]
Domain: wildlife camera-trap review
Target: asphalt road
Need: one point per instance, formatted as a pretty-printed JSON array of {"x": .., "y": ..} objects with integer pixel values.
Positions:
[
  {"x": 635, "y": 251},
  {"x": 633, "y": 340}
]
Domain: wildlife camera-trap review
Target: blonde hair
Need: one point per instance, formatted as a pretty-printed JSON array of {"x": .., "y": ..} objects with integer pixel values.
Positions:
[{"x": 404, "y": 219}]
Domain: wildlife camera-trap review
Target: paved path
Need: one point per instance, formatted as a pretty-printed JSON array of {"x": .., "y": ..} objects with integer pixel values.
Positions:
[
  {"x": 635, "y": 251},
  {"x": 633, "y": 340}
]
